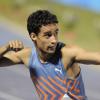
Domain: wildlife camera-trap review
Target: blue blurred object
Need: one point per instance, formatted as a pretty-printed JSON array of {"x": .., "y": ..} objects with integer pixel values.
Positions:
[{"x": 93, "y": 5}]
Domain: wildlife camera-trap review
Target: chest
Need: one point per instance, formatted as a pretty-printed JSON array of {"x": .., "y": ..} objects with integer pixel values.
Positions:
[
  {"x": 49, "y": 75},
  {"x": 46, "y": 70}
]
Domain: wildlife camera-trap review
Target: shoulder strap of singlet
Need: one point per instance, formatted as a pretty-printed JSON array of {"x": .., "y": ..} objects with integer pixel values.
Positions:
[{"x": 32, "y": 56}]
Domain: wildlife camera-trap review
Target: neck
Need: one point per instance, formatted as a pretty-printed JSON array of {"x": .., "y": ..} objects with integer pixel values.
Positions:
[{"x": 43, "y": 56}]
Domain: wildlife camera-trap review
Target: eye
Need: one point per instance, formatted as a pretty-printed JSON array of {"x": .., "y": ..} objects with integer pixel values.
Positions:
[
  {"x": 48, "y": 34},
  {"x": 56, "y": 32}
]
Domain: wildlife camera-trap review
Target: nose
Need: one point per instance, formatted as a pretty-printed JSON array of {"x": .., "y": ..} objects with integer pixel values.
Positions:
[{"x": 53, "y": 39}]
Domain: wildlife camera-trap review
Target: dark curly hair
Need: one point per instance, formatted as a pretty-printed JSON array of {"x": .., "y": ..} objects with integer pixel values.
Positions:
[{"x": 39, "y": 18}]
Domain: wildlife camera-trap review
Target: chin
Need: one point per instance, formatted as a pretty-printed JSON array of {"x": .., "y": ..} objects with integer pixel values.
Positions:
[{"x": 51, "y": 52}]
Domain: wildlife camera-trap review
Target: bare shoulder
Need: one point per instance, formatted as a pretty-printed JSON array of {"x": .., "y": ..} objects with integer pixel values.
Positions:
[
  {"x": 71, "y": 50},
  {"x": 24, "y": 52},
  {"x": 68, "y": 49},
  {"x": 24, "y": 55}
]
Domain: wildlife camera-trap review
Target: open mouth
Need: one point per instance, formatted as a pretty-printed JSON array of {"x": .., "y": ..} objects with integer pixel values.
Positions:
[{"x": 52, "y": 48}]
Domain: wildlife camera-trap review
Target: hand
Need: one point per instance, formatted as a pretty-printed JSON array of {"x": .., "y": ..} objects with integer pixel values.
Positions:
[{"x": 15, "y": 45}]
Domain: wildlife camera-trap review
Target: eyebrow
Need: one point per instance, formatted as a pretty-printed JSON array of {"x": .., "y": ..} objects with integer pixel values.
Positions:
[
  {"x": 51, "y": 31},
  {"x": 46, "y": 32}
]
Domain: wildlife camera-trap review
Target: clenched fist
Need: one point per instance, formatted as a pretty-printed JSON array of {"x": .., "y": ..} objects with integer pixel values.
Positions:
[{"x": 15, "y": 45}]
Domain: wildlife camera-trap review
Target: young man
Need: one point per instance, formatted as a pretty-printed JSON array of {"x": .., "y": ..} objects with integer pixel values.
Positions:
[{"x": 53, "y": 65}]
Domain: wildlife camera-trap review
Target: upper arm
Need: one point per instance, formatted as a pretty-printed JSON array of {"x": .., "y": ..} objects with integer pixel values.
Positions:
[
  {"x": 24, "y": 56},
  {"x": 86, "y": 57},
  {"x": 13, "y": 57},
  {"x": 71, "y": 53},
  {"x": 78, "y": 54}
]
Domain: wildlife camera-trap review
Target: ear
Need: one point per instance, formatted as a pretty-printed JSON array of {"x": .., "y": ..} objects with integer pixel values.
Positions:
[{"x": 33, "y": 36}]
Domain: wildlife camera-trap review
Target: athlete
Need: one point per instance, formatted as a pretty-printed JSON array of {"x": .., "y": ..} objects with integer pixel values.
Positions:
[{"x": 53, "y": 65}]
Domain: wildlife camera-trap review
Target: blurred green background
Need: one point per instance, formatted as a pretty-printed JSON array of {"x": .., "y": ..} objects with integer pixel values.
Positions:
[{"x": 77, "y": 26}]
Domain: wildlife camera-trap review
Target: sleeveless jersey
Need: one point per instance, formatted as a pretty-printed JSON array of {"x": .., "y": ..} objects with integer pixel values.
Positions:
[{"x": 50, "y": 78}]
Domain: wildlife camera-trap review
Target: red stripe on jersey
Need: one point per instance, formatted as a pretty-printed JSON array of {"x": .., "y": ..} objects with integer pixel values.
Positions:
[
  {"x": 57, "y": 84},
  {"x": 48, "y": 90},
  {"x": 44, "y": 80},
  {"x": 62, "y": 81},
  {"x": 43, "y": 93}
]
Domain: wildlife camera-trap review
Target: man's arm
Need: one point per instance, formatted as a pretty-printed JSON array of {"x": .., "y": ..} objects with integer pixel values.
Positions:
[
  {"x": 8, "y": 53},
  {"x": 82, "y": 56},
  {"x": 87, "y": 57},
  {"x": 3, "y": 49},
  {"x": 21, "y": 56}
]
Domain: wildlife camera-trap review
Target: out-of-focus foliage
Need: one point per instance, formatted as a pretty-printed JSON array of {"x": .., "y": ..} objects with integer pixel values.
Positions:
[{"x": 77, "y": 25}]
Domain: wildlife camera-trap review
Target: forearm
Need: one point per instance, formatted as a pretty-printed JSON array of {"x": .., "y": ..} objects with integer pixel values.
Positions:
[
  {"x": 3, "y": 50},
  {"x": 9, "y": 53}
]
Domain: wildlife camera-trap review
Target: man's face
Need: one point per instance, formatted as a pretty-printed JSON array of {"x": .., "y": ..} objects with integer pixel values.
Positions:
[{"x": 47, "y": 38}]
